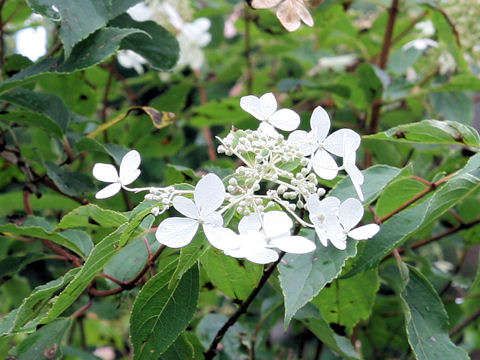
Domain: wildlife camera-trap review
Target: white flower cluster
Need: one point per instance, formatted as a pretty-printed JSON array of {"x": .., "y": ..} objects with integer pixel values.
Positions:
[{"x": 277, "y": 183}]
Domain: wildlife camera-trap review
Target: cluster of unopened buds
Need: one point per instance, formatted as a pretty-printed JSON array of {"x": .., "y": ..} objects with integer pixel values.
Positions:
[{"x": 277, "y": 183}]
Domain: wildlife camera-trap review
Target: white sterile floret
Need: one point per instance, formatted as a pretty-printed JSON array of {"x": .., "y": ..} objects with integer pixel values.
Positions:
[
  {"x": 321, "y": 213},
  {"x": 265, "y": 110},
  {"x": 319, "y": 146},
  {"x": 258, "y": 236},
  {"x": 208, "y": 196},
  {"x": 350, "y": 213},
  {"x": 291, "y": 13},
  {"x": 129, "y": 172},
  {"x": 349, "y": 160}
]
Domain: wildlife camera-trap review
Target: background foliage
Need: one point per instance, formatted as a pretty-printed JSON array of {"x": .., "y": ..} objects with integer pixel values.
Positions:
[{"x": 80, "y": 277}]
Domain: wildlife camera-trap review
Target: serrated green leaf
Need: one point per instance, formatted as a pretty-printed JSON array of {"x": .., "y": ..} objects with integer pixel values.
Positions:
[
  {"x": 32, "y": 119},
  {"x": 49, "y": 105},
  {"x": 180, "y": 349},
  {"x": 303, "y": 276},
  {"x": 189, "y": 256},
  {"x": 7, "y": 322},
  {"x": 427, "y": 321},
  {"x": 159, "y": 47},
  {"x": 319, "y": 327},
  {"x": 99, "y": 256},
  {"x": 46, "y": 340},
  {"x": 402, "y": 225},
  {"x": 91, "y": 215},
  {"x": 235, "y": 278},
  {"x": 347, "y": 301},
  {"x": 432, "y": 132},
  {"x": 37, "y": 304},
  {"x": 136, "y": 217},
  {"x": 376, "y": 178},
  {"x": 161, "y": 314}
]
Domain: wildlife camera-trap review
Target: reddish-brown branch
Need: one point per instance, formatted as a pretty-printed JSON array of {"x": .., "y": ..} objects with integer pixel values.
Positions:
[{"x": 84, "y": 308}]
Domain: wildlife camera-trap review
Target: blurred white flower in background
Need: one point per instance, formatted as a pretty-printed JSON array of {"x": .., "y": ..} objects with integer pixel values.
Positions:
[
  {"x": 131, "y": 60},
  {"x": 290, "y": 13},
  {"x": 32, "y": 42}
]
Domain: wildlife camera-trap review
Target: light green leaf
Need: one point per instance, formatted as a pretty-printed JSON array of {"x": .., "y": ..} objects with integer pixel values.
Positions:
[
  {"x": 402, "y": 225},
  {"x": 235, "y": 278},
  {"x": 46, "y": 340},
  {"x": 427, "y": 320},
  {"x": 221, "y": 112},
  {"x": 303, "y": 276},
  {"x": 91, "y": 216},
  {"x": 189, "y": 256},
  {"x": 159, "y": 47},
  {"x": 347, "y": 301},
  {"x": 161, "y": 314},
  {"x": 34, "y": 307},
  {"x": 397, "y": 193},
  {"x": 36, "y": 227},
  {"x": 100, "y": 256},
  {"x": 432, "y": 132},
  {"x": 12, "y": 201}
]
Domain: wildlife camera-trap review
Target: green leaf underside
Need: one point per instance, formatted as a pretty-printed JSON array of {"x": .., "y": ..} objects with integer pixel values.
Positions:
[
  {"x": 402, "y": 225},
  {"x": 161, "y": 314},
  {"x": 303, "y": 276},
  {"x": 427, "y": 321},
  {"x": 431, "y": 132}
]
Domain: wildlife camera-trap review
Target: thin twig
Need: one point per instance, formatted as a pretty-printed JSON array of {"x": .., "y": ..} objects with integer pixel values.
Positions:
[
  {"x": 212, "y": 350},
  {"x": 207, "y": 132},
  {"x": 84, "y": 308},
  {"x": 465, "y": 323},
  {"x": 248, "y": 49}
]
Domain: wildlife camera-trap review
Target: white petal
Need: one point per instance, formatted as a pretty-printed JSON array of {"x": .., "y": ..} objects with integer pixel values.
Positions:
[
  {"x": 186, "y": 207},
  {"x": 303, "y": 141},
  {"x": 264, "y": 4},
  {"x": 251, "y": 242},
  {"x": 108, "y": 191},
  {"x": 214, "y": 218},
  {"x": 294, "y": 244},
  {"x": 265, "y": 256},
  {"x": 313, "y": 204},
  {"x": 268, "y": 129},
  {"x": 288, "y": 16},
  {"x": 339, "y": 243},
  {"x": 357, "y": 178},
  {"x": 220, "y": 237},
  {"x": 285, "y": 119},
  {"x": 251, "y": 104},
  {"x": 209, "y": 194},
  {"x": 320, "y": 123},
  {"x": 304, "y": 14},
  {"x": 364, "y": 232},
  {"x": 324, "y": 165},
  {"x": 249, "y": 223},
  {"x": 350, "y": 213},
  {"x": 330, "y": 204},
  {"x": 322, "y": 235},
  {"x": 335, "y": 143},
  {"x": 105, "y": 172},
  {"x": 276, "y": 223},
  {"x": 129, "y": 167},
  {"x": 176, "y": 232},
  {"x": 268, "y": 104}
]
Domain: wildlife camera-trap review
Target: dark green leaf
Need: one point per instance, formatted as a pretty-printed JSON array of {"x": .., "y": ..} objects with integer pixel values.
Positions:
[
  {"x": 161, "y": 314},
  {"x": 159, "y": 47},
  {"x": 32, "y": 119},
  {"x": 180, "y": 349},
  {"x": 13, "y": 264},
  {"x": 70, "y": 183}
]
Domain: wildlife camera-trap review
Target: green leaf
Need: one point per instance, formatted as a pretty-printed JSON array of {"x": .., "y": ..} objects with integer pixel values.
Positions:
[
  {"x": 303, "y": 276},
  {"x": 432, "y": 132},
  {"x": 99, "y": 256},
  {"x": 397, "y": 193},
  {"x": 347, "y": 301},
  {"x": 427, "y": 321},
  {"x": 402, "y": 225},
  {"x": 7, "y": 322},
  {"x": 376, "y": 178},
  {"x": 37, "y": 227},
  {"x": 370, "y": 81},
  {"x": 10, "y": 202},
  {"x": 79, "y": 19},
  {"x": 96, "y": 48},
  {"x": 189, "y": 256},
  {"x": 91, "y": 215},
  {"x": 69, "y": 182},
  {"x": 161, "y": 314},
  {"x": 159, "y": 47},
  {"x": 13, "y": 264},
  {"x": 44, "y": 343},
  {"x": 49, "y": 105},
  {"x": 180, "y": 349},
  {"x": 32, "y": 119},
  {"x": 453, "y": 105},
  {"x": 138, "y": 214},
  {"x": 37, "y": 304},
  {"x": 235, "y": 278},
  {"x": 220, "y": 112},
  {"x": 319, "y": 327}
]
